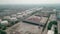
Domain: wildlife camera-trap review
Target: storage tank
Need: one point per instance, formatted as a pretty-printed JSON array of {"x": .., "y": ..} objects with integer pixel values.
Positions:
[
  {"x": 19, "y": 13},
  {"x": 13, "y": 19},
  {"x": 4, "y": 22}
]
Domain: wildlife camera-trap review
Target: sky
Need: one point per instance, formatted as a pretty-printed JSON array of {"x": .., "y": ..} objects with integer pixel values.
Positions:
[{"x": 29, "y": 1}]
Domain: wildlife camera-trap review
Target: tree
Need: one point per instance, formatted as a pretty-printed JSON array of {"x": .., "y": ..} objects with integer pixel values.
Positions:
[
  {"x": 51, "y": 23},
  {"x": 56, "y": 31},
  {"x": 49, "y": 26},
  {"x": 2, "y": 32},
  {"x": 54, "y": 22},
  {"x": 3, "y": 27}
]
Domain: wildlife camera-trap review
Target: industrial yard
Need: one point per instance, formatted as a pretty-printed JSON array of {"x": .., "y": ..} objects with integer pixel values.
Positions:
[{"x": 34, "y": 21}]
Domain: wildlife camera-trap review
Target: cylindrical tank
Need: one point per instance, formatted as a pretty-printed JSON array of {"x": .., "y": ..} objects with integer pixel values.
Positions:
[{"x": 4, "y": 22}]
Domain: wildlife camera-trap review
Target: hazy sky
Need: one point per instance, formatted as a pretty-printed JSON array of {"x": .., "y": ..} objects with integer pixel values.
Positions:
[{"x": 29, "y": 1}]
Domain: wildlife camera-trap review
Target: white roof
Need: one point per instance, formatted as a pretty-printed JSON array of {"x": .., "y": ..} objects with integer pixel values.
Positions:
[{"x": 50, "y": 32}]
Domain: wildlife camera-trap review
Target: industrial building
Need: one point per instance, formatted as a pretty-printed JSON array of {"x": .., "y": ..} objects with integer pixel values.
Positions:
[
  {"x": 50, "y": 32},
  {"x": 36, "y": 20},
  {"x": 52, "y": 17},
  {"x": 30, "y": 23},
  {"x": 42, "y": 14}
]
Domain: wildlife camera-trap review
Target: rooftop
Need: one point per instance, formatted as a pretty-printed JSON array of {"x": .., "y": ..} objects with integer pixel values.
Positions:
[{"x": 36, "y": 20}]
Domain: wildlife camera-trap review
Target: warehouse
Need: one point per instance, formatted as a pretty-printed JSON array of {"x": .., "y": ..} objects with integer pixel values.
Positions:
[
  {"x": 52, "y": 17},
  {"x": 50, "y": 32},
  {"x": 36, "y": 20},
  {"x": 42, "y": 14}
]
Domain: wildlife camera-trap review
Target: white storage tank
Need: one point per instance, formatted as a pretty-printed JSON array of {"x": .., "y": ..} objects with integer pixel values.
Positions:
[
  {"x": 13, "y": 19},
  {"x": 19, "y": 16},
  {"x": 19, "y": 13},
  {"x": 5, "y": 22}
]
